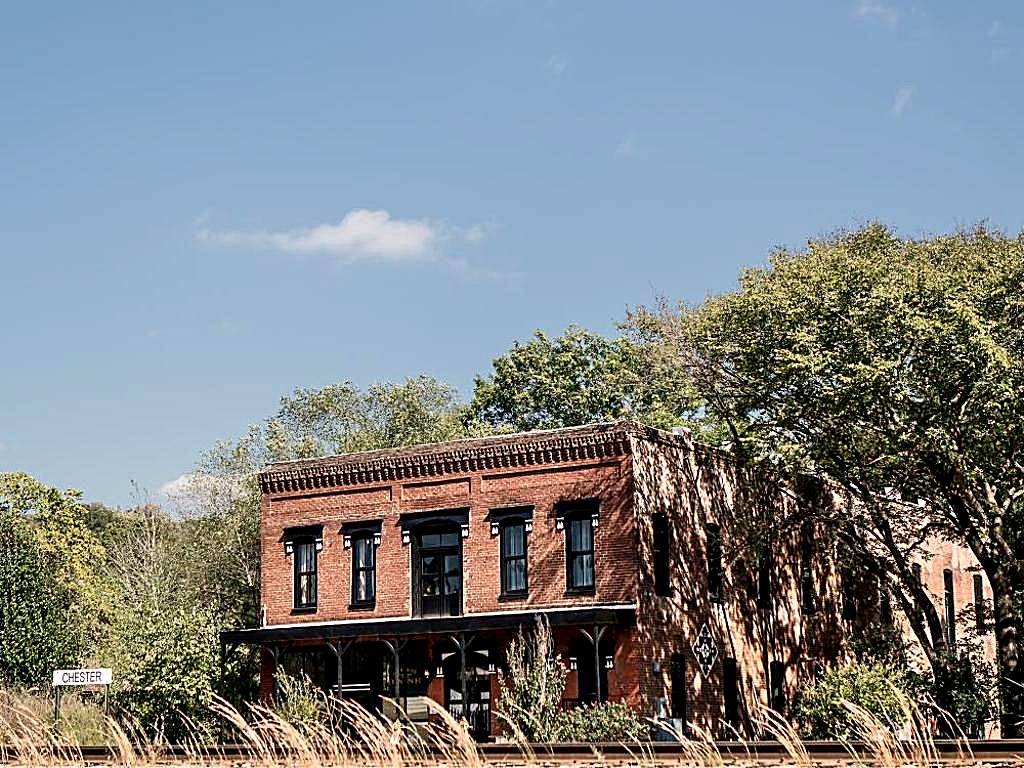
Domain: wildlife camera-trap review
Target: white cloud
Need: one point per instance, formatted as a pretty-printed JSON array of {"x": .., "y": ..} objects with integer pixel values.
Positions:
[
  {"x": 902, "y": 100},
  {"x": 626, "y": 148},
  {"x": 360, "y": 235},
  {"x": 872, "y": 10},
  {"x": 556, "y": 64},
  {"x": 197, "y": 492}
]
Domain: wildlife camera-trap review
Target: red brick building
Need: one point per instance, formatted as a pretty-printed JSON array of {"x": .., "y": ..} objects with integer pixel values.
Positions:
[{"x": 406, "y": 572}]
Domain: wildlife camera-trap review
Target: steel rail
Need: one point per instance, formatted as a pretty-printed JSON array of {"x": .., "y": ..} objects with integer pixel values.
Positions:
[{"x": 766, "y": 752}]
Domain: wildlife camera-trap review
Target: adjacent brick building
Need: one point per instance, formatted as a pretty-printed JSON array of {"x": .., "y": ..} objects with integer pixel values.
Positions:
[{"x": 406, "y": 573}]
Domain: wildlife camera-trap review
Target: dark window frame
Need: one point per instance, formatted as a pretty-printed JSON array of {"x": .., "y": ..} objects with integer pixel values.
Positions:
[
  {"x": 505, "y": 559},
  {"x": 716, "y": 574},
  {"x": 808, "y": 598},
  {"x": 297, "y": 543},
  {"x": 661, "y": 547},
  {"x": 731, "y": 695},
  {"x": 979, "y": 605},
  {"x": 368, "y": 539},
  {"x": 763, "y": 578},
  {"x": 574, "y": 514},
  {"x": 949, "y": 604}
]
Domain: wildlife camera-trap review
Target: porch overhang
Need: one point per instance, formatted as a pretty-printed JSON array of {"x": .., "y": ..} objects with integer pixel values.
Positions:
[{"x": 606, "y": 615}]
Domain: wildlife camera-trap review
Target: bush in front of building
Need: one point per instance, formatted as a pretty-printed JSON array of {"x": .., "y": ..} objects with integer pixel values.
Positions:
[
  {"x": 299, "y": 702},
  {"x": 608, "y": 721},
  {"x": 532, "y": 687},
  {"x": 881, "y": 689}
]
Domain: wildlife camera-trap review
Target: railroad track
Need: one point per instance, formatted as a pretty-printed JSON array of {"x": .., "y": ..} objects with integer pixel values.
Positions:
[{"x": 996, "y": 752}]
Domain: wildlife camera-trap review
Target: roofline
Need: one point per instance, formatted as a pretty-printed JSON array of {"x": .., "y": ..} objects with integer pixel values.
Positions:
[{"x": 602, "y": 440}]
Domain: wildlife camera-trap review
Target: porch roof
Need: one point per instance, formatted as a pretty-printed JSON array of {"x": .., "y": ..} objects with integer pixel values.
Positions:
[{"x": 622, "y": 614}]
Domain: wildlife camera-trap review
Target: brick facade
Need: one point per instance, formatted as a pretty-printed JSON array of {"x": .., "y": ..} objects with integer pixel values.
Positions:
[{"x": 633, "y": 474}]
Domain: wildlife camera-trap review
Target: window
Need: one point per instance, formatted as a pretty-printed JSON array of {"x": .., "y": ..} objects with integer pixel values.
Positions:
[
  {"x": 679, "y": 687},
  {"x": 660, "y": 548},
  {"x": 714, "y": 547},
  {"x": 364, "y": 569},
  {"x": 777, "y": 686},
  {"x": 979, "y": 605},
  {"x": 849, "y": 591},
  {"x": 950, "y": 606},
  {"x": 304, "y": 564},
  {"x": 579, "y": 558},
  {"x": 513, "y": 557},
  {"x": 731, "y": 692},
  {"x": 764, "y": 579},
  {"x": 808, "y": 604}
]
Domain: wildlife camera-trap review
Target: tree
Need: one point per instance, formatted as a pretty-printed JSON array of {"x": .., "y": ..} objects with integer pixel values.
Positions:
[
  {"x": 578, "y": 378},
  {"x": 57, "y": 523},
  {"x": 339, "y": 418},
  {"x": 894, "y": 368},
  {"x": 36, "y": 633}
]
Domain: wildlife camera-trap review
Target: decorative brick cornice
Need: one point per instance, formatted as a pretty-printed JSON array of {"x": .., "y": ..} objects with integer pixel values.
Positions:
[{"x": 425, "y": 461}]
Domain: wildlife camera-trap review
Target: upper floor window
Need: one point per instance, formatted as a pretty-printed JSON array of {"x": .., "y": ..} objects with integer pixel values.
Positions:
[
  {"x": 304, "y": 580},
  {"x": 807, "y": 602},
  {"x": 660, "y": 547},
  {"x": 512, "y": 526},
  {"x": 714, "y": 552},
  {"x": 979, "y": 604},
  {"x": 364, "y": 570},
  {"x": 578, "y": 520},
  {"x": 363, "y": 538},
  {"x": 302, "y": 545},
  {"x": 513, "y": 557},
  {"x": 949, "y": 602}
]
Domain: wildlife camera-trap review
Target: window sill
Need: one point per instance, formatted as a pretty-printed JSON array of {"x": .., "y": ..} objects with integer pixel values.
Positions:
[
  {"x": 362, "y": 606},
  {"x": 579, "y": 591},
  {"x": 304, "y": 610},
  {"x": 511, "y": 597}
]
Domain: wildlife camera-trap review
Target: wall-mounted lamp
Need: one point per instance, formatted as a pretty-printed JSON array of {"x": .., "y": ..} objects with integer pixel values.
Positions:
[
  {"x": 609, "y": 662},
  {"x": 572, "y": 662}
]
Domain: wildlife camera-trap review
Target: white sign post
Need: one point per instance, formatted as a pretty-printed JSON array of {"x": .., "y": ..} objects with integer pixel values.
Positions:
[{"x": 64, "y": 678}]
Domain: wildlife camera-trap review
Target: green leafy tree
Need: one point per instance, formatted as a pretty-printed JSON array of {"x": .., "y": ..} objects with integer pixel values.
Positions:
[
  {"x": 895, "y": 368},
  {"x": 578, "y": 378},
  {"x": 36, "y": 631}
]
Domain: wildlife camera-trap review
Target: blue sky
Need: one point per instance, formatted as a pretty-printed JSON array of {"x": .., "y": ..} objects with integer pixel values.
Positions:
[{"x": 204, "y": 208}]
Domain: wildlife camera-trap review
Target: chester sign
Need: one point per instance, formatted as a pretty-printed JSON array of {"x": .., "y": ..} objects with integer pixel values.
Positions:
[{"x": 82, "y": 677}]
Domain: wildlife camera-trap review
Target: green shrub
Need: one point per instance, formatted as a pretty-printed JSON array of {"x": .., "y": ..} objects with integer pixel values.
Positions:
[
  {"x": 874, "y": 686},
  {"x": 532, "y": 688},
  {"x": 607, "y": 721},
  {"x": 299, "y": 702}
]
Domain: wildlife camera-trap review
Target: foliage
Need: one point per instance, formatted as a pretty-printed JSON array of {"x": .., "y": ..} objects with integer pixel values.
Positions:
[
  {"x": 162, "y": 642},
  {"x": 965, "y": 688},
  {"x": 895, "y": 368},
  {"x": 339, "y": 418},
  {"x": 36, "y": 633},
  {"x": 532, "y": 686},
  {"x": 74, "y": 554},
  {"x": 165, "y": 666},
  {"x": 877, "y": 688},
  {"x": 299, "y": 702},
  {"x": 578, "y": 378},
  {"x": 606, "y": 721}
]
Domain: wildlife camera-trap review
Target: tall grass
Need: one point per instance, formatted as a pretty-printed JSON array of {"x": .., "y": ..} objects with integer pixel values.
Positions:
[{"x": 352, "y": 736}]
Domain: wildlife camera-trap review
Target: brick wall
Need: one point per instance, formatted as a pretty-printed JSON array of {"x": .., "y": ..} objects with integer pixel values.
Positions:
[
  {"x": 694, "y": 486},
  {"x": 540, "y": 486}
]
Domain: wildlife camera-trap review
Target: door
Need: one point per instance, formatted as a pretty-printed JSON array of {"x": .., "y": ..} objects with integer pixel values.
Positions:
[
  {"x": 438, "y": 577},
  {"x": 477, "y": 710}
]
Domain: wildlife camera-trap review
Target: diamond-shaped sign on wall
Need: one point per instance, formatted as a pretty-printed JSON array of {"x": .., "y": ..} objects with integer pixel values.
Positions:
[{"x": 705, "y": 649}]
